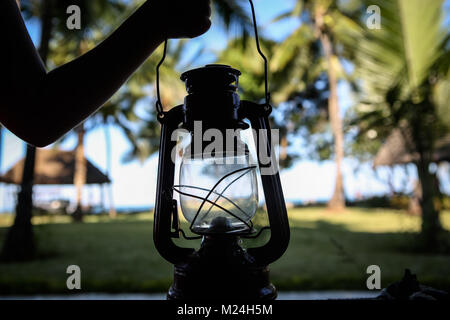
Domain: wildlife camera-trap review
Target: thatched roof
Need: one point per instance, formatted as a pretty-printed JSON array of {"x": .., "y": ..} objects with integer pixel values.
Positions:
[
  {"x": 398, "y": 149},
  {"x": 54, "y": 167}
]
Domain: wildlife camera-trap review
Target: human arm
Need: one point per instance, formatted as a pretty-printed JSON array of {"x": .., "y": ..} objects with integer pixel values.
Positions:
[{"x": 40, "y": 107}]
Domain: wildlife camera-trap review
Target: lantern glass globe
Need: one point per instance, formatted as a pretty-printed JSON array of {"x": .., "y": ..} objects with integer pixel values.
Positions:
[{"x": 218, "y": 194}]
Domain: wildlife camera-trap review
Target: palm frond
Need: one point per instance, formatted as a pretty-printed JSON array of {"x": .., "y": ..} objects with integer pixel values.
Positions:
[
  {"x": 233, "y": 13},
  {"x": 404, "y": 49}
]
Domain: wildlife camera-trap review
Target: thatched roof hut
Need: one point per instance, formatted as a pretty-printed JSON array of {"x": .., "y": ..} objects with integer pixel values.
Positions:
[
  {"x": 54, "y": 167},
  {"x": 399, "y": 149}
]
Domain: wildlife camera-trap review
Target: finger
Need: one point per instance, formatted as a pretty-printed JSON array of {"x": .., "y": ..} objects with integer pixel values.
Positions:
[
  {"x": 208, "y": 8},
  {"x": 204, "y": 8},
  {"x": 200, "y": 28}
]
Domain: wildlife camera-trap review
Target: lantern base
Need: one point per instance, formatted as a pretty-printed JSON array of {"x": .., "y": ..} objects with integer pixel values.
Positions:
[{"x": 221, "y": 270}]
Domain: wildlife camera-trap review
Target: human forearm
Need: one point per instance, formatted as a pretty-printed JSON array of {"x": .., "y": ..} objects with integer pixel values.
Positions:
[
  {"x": 75, "y": 90},
  {"x": 40, "y": 107}
]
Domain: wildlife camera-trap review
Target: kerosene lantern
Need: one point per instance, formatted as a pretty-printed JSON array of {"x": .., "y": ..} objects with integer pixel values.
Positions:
[{"x": 217, "y": 189}]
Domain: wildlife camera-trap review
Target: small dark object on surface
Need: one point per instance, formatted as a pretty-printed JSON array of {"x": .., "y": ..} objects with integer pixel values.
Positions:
[{"x": 409, "y": 288}]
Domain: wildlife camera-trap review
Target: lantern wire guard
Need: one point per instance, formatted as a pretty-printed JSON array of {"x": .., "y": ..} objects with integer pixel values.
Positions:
[
  {"x": 245, "y": 233},
  {"x": 219, "y": 195}
]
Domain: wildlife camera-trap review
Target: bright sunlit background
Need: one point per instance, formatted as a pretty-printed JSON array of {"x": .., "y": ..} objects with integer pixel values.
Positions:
[{"x": 134, "y": 182}]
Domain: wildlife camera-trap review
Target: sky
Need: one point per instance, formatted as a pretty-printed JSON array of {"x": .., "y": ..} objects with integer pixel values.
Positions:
[{"x": 134, "y": 183}]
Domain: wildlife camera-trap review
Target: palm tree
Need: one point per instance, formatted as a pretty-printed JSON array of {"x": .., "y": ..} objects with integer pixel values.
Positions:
[
  {"x": 320, "y": 11},
  {"x": 108, "y": 146},
  {"x": 322, "y": 21},
  {"x": 80, "y": 172},
  {"x": 404, "y": 69}
]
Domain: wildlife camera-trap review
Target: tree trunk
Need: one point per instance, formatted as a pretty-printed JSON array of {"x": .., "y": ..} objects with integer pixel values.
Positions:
[
  {"x": 19, "y": 243},
  {"x": 112, "y": 209},
  {"x": 423, "y": 134},
  {"x": 283, "y": 146},
  {"x": 337, "y": 201},
  {"x": 80, "y": 173},
  {"x": 430, "y": 216}
]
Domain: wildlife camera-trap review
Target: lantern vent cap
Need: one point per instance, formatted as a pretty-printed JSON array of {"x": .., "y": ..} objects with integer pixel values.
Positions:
[{"x": 211, "y": 77}]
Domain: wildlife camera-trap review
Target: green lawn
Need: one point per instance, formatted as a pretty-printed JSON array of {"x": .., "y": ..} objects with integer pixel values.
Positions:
[{"x": 327, "y": 251}]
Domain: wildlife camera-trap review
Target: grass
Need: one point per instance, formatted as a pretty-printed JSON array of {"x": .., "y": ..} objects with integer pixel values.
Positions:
[{"x": 327, "y": 251}]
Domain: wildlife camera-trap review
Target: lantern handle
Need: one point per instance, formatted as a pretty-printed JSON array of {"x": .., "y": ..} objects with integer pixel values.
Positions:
[
  {"x": 159, "y": 106},
  {"x": 258, "y": 47}
]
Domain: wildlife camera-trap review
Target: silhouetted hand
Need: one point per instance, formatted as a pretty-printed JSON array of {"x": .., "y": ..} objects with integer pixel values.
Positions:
[{"x": 183, "y": 18}]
